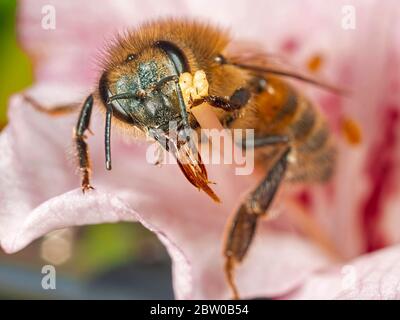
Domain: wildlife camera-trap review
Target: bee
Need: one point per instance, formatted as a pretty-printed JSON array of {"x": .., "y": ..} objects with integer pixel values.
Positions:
[{"x": 140, "y": 90}]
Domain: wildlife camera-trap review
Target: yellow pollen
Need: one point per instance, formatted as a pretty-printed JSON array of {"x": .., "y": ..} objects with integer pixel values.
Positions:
[
  {"x": 193, "y": 87},
  {"x": 351, "y": 131},
  {"x": 314, "y": 64}
]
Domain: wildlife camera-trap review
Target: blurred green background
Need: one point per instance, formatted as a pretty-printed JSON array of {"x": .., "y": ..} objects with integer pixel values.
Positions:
[
  {"x": 102, "y": 261},
  {"x": 16, "y": 69}
]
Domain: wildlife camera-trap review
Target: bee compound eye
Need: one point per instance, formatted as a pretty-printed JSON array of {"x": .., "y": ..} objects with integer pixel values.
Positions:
[{"x": 175, "y": 54}]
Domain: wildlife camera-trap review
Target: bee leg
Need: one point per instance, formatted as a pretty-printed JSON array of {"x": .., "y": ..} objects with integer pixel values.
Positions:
[
  {"x": 53, "y": 111},
  {"x": 242, "y": 228},
  {"x": 80, "y": 144},
  {"x": 236, "y": 101}
]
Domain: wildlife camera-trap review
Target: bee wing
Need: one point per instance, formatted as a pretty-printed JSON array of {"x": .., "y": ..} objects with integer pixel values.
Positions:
[{"x": 261, "y": 62}]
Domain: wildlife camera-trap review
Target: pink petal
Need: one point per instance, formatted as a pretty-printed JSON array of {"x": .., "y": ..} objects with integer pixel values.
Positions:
[
  {"x": 372, "y": 276},
  {"x": 36, "y": 181}
]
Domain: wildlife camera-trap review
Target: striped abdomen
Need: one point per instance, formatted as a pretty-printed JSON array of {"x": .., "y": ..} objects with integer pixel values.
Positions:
[{"x": 283, "y": 110}]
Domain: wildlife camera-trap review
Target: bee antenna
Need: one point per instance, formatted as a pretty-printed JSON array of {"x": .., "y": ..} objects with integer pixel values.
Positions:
[
  {"x": 124, "y": 95},
  {"x": 107, "y": 136},
  {"x": 182, "y": 105}
]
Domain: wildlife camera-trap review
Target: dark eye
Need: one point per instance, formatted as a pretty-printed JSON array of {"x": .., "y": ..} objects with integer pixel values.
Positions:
[
  {"x": 130, "y": 57},
  {"x": 175, "y": 54},
  {"x": 220, "y": 59}
]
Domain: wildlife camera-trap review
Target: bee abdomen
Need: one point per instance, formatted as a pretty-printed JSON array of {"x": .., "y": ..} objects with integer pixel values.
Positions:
[
  {"x": 317, "y": 167},
  {"x": 313, "y": 152},
  {"x": 308, "y": 129},
  {"x": 316, "y": 140},
  {"x": 313, "y": 148},
  {"x": 303, "y": 121}
]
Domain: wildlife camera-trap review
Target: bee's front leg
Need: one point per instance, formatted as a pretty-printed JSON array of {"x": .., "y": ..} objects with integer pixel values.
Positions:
[
  {"x": 236, "y": 101},
  {"x": 80, "y": 144},
  {"x": 242, "y": 228}
]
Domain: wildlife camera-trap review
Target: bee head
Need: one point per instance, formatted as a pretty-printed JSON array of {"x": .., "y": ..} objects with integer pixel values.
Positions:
[{"x": 144, "y": 90}]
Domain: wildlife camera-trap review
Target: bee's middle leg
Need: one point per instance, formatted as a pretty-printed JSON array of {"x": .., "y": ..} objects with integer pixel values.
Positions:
[{"x": 243, "y": 226}]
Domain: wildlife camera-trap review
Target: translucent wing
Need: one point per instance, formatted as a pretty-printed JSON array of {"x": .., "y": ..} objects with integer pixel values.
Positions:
[{"x": 261, "y": 62}]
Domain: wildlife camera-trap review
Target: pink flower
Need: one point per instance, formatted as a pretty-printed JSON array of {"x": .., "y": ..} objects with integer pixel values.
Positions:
[{"x": 319, "y": 247}]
